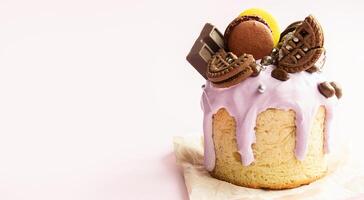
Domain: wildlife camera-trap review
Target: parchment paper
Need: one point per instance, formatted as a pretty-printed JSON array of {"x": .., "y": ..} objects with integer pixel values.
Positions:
[{"x": 345, "y": 179}]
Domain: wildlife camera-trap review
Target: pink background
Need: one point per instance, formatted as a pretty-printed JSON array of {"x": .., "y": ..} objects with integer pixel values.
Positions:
[{"x": 92, "y": 92}]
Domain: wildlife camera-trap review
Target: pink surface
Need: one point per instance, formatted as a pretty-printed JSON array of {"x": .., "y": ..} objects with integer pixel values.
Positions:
[
  {"x": 86, "y": 114},
  {"x": 145, "y": 176},
  {"x": 359, "y": 197}
]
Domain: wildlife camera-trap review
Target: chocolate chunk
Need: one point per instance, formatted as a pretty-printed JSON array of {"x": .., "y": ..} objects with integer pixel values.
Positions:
[
  {"x": 312, "y": 69},
  {"x": 206, "y": 45},
  {"x": 326, "y": 89},
  {"x": 225, "y": 69},
  {"x": 301, "y": 49},
  {"x": 212, "y": 37},
  {"x": 199, "y": 56},
  {"x": 280, "y": 74},
  {"x": 338, "y": 89},
  {"x": 250, "y": 35}
]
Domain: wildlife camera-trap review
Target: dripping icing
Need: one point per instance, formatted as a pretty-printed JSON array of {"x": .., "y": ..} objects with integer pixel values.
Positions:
[{"x": 244, "y": 102}]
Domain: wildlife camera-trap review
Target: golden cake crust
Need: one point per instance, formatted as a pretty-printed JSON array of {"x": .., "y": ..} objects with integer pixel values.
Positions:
[{"x": 275, "y": 165}]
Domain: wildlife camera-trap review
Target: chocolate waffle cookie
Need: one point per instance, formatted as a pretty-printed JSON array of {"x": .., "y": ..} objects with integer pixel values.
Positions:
[
  {"x": 225, "y": 69},
  {"x": 300, "y": 48}
]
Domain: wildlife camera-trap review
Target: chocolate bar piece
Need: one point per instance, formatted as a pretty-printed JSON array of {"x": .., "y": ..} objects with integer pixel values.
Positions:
[
  {"x": 206, "y": 45},
  {"x": 212, "y": 37}
]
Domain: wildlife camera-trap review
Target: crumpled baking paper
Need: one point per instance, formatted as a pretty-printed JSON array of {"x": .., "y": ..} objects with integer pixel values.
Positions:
[{"x": 345, "y": 179}]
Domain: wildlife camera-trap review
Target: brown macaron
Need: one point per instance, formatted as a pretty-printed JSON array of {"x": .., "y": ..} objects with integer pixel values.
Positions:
[{"x": 249, "y": 35}]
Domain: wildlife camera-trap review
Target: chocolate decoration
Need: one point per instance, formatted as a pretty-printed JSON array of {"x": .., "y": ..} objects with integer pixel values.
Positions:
[
  {"x": 338, "y": 89},
  {"x": 225, "y": 69},
  {"x": 199, "y": 56},
  {"x": 240, "y": 19},
  {"x": 280, "y": 74},
  {"x": 212, "y": 37},
  {"x": 312, "y": 69},
  {"x": 326, "y": 89},
  {"x": 207, "y": 44},
  {"x": 290, "y": 28},
  {"x": 250, "y": 35},
  {"x": 301, "y": 51}
]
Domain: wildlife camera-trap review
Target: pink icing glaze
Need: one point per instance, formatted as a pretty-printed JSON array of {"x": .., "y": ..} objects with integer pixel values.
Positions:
[{"x": 244, "y": 102}]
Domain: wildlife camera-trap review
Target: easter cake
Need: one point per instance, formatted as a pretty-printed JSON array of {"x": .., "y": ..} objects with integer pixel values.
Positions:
[{"x": 267, "y": 106}]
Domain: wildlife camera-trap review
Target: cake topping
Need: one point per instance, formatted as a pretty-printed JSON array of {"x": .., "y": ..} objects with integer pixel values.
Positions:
[
  {"x": 330, "y": 89},
  {"x": 254, "y": 32},
  {"x": 301, "y": 47},
  {"x": 280, "y": 74},
  {"x": 261, "y": 88},
  {"x": 225, "y": 69},
  {"x": 313, "y": 69},
  {"x": 206, "y": 45},
  {"x": 292, "y": 27},
  {"x": 267, "y": 60},
  {"x": 251, "y": 35},
  {"x": 326, "y": 89},
  {"x": 338, "y": 89},
  {"x": 256, "y": 68},
  {"x": 229, "y": 59},
  {"x": 271, "y": 59},
  {"x": 268, "y": 18}
]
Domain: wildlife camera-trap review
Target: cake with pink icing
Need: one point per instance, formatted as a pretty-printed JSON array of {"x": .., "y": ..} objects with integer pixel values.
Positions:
[{"x": 268, "y": 108}]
